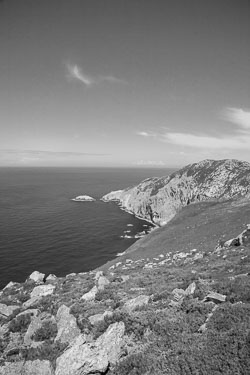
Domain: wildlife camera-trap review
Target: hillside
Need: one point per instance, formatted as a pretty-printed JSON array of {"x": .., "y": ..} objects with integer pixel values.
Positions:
[
  {"x": 159, "y": 199},
  {"x": 177, "y": 302}
]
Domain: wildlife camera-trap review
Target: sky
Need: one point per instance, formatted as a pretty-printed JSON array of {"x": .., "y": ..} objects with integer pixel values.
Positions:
[{"x": 132, "y": 83}]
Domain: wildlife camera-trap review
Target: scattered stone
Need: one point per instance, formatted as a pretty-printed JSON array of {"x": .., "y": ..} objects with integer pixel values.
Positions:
[
  {"x": 97, "y": 318},
  {"x": 67, "y": 326},
  {"x": 136, "y": 302},
  {"x": 215, "y": 297},
  {"x": 179, "y": 294},
  {"x": 84, "y": 358},
  {"x": 190, "y": 289},
  {"x": 98, "y": 274},
  {"x": 32, "y": 312},
  {"x": 90, "y": 296},
  {"x": 37, "y": 277},
  {"x": 51, "y": 277},
  {"x": 71, "y": 275},
  {"x": 124, "y": 278},
  {"x": 42, "y": 290},
  {"x": 7, "y": 310},
  {"x": 102, "y": 282},
  {"x": 10, "y": 285},
  {"x": 4, "y": 329}
]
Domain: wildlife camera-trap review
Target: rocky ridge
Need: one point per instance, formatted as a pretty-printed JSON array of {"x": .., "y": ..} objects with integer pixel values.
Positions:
[{"x": 159, "y": 199}]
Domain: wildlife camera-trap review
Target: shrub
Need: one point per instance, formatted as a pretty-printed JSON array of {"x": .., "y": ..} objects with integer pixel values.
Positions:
[
  {"x": 46, "y": 332},
  {"x": 20, "y": 323},
  {"x": 47, "y": 351}
]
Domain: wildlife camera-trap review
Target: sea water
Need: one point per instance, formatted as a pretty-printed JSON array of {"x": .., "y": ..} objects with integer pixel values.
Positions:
[{"x": 42, "y": 229}]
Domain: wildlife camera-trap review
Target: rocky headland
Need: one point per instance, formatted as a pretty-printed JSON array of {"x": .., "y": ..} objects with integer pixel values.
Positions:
[
  {"x": 176, "y": 302},
  {"x": 159, "y": 199}
]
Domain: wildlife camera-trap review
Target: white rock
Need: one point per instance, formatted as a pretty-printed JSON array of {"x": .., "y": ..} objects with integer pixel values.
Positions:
[
  {"x": 37, "y": 276},
  {"x": 97, "y": 318},
  {"x": 67, "y": 326},
  {"x": 51, "y": 277},
  {"x": 84, "y": 358},
  {"x": 90, "y": 296},
  {"x": 7, "y": 310},
  {"x": 102, "y": 282},
  {"x": 98, "y": 274},
  {"x": 133, "y": 303},
  {"x": 42, "y": 290}
]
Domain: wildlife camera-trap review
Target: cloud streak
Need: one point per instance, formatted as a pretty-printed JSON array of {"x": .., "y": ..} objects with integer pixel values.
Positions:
[
  {"x": 240, "y": 140},
  {"x": 237, "y": 116},
  {"x": 76, "y": 73}
]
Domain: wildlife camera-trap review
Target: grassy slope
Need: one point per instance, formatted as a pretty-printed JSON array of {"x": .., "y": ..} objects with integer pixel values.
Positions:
[{"x": 198, "y": 225}]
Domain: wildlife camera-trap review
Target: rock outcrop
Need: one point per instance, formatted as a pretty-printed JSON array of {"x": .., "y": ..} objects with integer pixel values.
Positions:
[
  {"x": 159, "y": 199},
  {"x": 84, "y": 358}
]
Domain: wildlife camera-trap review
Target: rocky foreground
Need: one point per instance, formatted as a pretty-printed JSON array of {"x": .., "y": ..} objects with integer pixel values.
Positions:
[
  {"x": 159, "y": 199},
  {"x": 176, "y": 302}
]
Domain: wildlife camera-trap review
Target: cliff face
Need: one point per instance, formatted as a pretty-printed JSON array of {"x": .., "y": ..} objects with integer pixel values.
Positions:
[{"x": 159, "y": 199}]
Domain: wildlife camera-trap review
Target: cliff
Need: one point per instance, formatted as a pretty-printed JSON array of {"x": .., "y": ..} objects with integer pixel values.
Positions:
[{"x": 159, "y": 199}]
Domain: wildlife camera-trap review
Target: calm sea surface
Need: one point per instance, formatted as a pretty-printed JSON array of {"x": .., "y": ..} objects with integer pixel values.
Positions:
[{"x": 42, "y": 229}]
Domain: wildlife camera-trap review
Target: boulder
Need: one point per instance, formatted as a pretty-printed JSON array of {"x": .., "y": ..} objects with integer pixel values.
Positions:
[
  {"x": 124, "y": 278},
  {"x": 32, "y": 312},
  {"x": 97, "y": 318},
  {"x": 36, "y": 276},
  {"x": 133, "y": 303},
  {"x": 190, "y": 289},
  {"x": 51, "y": 277},
  {"x": 215, "y": 297},
  {"x": 6, "y": 311},
  {"x": 102, "y": 282},
  {"x": 66, "y": 324},
  {"x": 42, "y": 290},
  {"x": 98, "y": 274},
  {"x": 84, "y": 358},
  {"x": 90, "y": 296},
  {"x": 10, "y": 285},
  {"x": 36, "y": 367}
]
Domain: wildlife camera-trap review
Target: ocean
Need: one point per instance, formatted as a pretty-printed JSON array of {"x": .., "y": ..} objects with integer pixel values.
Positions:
[{"x": 42, "y": 229}]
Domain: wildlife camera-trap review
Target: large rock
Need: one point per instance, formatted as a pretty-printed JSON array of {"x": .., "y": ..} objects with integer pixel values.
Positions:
[
  {"x": 42, "y": 290},
  {"x": 102, "y": 282},
  {"x": 6, "y": 311},
  {"x": 84, "y": 358},
  {"x": 97, "y": 318},
  {"x": 90, "y": 296},
  {"x": 136, "y": 302},
  {"x": 215, "y": 297},
  {"x": 37, "y": 293},
  {"x": 66, "y": 325},
  {"x": 36, "y": 367},
  {"x": 36, "y": 276}
]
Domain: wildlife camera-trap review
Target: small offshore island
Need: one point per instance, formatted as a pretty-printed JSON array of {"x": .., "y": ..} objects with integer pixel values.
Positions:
[
  {"x": 177, "y": 302},
  {"x": 83, "y": 198}
]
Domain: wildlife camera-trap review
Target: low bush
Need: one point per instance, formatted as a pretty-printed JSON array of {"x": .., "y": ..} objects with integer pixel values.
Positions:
[
  {"x": 46, "y": 332},
  {"x": 47, "y": 351},
  {"x": 20, "y": 323}
]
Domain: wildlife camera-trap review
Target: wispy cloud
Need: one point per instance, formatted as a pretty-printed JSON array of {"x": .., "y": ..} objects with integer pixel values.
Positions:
[
  {"x": 146, "y": 133},
  {"x": 237, "y": 116},
  {"x": 75, "y": 72},
  {"x": 239, "y": 140},
  {"x": 153, "y": 163}
]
